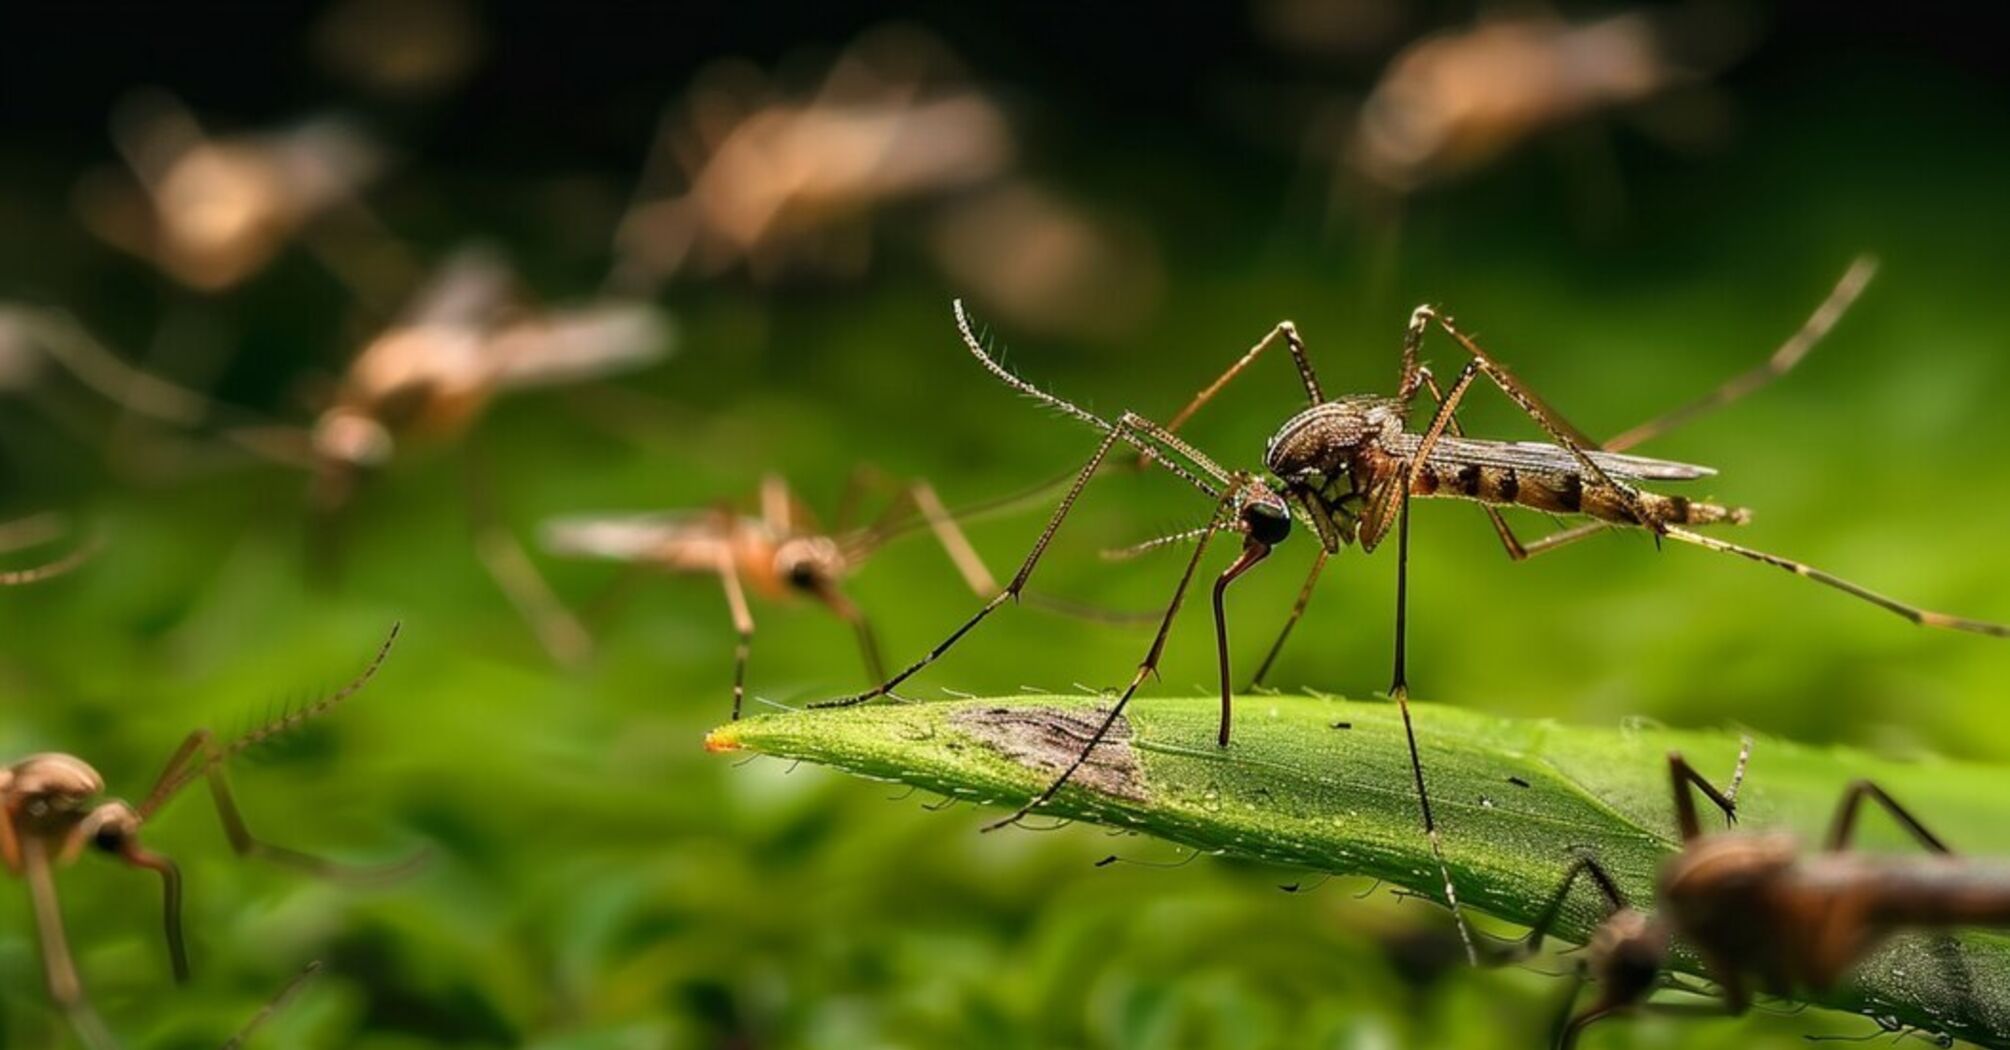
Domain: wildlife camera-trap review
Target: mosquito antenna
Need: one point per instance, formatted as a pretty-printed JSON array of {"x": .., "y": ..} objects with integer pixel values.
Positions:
[
  {"x": 1155, "y": 543},
  {"x": 1069, "y": 408},
  {"x": 288, "y": 720},
  {"x": 301, "y": 715}
]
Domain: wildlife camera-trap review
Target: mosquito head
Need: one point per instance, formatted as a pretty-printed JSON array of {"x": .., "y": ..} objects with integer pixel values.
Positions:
[
  {"x": 810, "y": 564},
  {"x": 1262, "y": 515},
  {"x": 1626, "y": 955},
  {"x": 1317, "y": 447},
  {"x": 49, "y": 787},
  {"x": 113, "y": 827}
]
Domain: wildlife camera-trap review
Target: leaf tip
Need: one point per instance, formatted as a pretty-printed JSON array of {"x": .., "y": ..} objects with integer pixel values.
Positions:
[{"x": 723, "y": 739}]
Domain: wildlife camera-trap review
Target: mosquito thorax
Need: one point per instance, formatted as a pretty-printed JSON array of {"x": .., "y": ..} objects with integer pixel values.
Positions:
[
  {"x": 1321, "y": 443},
  {"x": 1712, "y": 890},
  {"x": 50, "y": 786}
]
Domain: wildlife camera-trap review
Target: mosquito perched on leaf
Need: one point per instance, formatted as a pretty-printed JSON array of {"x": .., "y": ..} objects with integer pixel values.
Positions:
[
  {"x": 50, "y": 815},
  {"x": 785, "y": 551},
  {"x": 1348, "y": 467},
  {"x": 1762, "y": 913}
]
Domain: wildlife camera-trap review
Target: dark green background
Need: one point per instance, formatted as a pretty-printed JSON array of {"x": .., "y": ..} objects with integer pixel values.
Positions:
[{"x": 600, "y": 882}]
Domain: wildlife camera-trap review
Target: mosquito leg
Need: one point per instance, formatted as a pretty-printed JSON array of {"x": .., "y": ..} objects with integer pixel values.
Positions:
[
  {"x": 48, "y": 570},
  {"x": 954, "y": 542},
  {"x": 777, "y": 504},
  {"x": 1587, "y": 866},
  {"x": 1682, "y": 777},
  {"x": 1415, "y": 372},
  {"x": 743, "y": 626},
  {"x": 1399, "y": 691},
  {"x": 1147, "y": 666},
  {"x": 1297, "y": 611},
  {"x": 1780, "y": 363},
  {"x": 66, "y": 989},
  {"x": 1284, "y": 330},
  {"x": 1843, "y": 828},
  {"x": 247, "y": 845},
  {"x": 1923, "y": 617},
  {"x": 272, "y": 1006},
  {"x": 1115, "y": 434},
  {"x": 561, "y": 633}
]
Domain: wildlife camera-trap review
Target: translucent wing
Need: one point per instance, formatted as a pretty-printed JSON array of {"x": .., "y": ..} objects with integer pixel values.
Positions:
[
  {"x": 565, "y": 346},
  {"x": 1537, "y": 456},
  {"x": 630, "y": 537}
]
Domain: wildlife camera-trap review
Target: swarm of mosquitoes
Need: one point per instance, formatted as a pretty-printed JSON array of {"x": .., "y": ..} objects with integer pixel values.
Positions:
[{"x": 750, "y": 175}]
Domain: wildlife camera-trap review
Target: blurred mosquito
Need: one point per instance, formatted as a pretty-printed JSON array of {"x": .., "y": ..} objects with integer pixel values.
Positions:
[
  {"x": 1348, "y": 468},
  {"x": 1761, "y": 912},
  {"x": 775, "y": 180},
  {"x": 1455, "y": 100},
  {"x": 49, "y": 816},
  {"x": 213, "y": 212},
  {"x": 33, "y": 531},
  {"x": 469, "y": 335},
  {"x": 785, "y": 551}
]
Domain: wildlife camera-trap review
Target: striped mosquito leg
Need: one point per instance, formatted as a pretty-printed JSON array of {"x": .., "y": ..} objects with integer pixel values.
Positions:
[
  {"x": 1399, "y": 691},
  {"x": 1297, "y": 612},
  {"x": 1118, "y": 432},
  {"x": 1146, "y": 667},
  {"x": 743, "y": 627},
  {"x": 1923, "y": 617}
]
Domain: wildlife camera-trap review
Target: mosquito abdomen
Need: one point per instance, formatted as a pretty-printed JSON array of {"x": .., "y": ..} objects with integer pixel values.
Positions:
[{"x": 1567, "y": 492}]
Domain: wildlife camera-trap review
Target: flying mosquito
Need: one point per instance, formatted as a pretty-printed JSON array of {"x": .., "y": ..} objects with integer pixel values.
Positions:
[
  {"x": 786, "y": 552},
  {"x": 1348, "y": 467},
  {"x": 1762, "y": 913},
  {"x": 49, "y": 816}
]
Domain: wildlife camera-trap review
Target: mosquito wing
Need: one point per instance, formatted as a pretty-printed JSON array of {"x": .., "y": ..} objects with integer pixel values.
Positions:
[
  {"x": 636, "y": 537},
  {"x": 566, "y": 346},
  {"x": 1537, "y": 456}
]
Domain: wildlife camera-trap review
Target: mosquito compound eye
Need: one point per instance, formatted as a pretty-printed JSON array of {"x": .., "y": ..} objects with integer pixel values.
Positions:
[
  {"x": 110, "y": 838},
  {"x": 1267, "y": 523}
]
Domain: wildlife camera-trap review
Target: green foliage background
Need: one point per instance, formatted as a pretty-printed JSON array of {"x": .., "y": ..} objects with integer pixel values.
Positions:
[{"x": 600, "y": 882}]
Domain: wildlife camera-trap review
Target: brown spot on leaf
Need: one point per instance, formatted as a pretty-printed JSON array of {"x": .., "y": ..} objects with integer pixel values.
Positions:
[{"x": 1048, "y": 739}]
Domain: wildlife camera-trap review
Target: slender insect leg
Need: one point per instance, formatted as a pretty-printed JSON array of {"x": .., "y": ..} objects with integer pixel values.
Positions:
[
  {"x": 1559, "y": 429},
  {"x": 743, "y": 626},
  {"x": 1399, "y": 691},
  {"x": 1115, "y": 434},
  {"x": 954, "y": 542},
  {"x": 272, "y": 1006},
  {"x": 1553, "y": 910},
  {"x": 1738, "y": 771},
  {"x": 845, "y": 609},
  {"x": 1297, "y": 611},
  {"x": 1285, "y": 330},
  {"x": 59, "y": 967},
  {"x": 1147, "y": 666},
  {"x": 561, "y": 633},
  {"x": 1571, "y": 1032},
  {"x": 247, "y": 845},
  {"x": 777, "y": 504},
  {"x": 1682, "y": 777},
  {"x": 1780, "y": 363},
  {"x": 1843, "y": 828},
  {"x": 1923, "y": 617},
  {"x": 132, "y": 853},
  {"x": 47, "y": 570}
]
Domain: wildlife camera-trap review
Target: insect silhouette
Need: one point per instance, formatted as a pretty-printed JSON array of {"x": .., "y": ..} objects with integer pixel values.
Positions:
[
  {"x": 1348, "y": 468},
  {"x": 1762, "y": 913},
  {"x": 785, "y": 551},
  {"x": 50, "y": 814}
]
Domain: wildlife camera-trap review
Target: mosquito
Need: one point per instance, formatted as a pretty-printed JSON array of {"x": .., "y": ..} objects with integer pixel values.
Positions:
[
  {"x": 785, "y": 551},
  {"x": 1760, "y": 912},
  {"x": 212, "y": 212},
  {"x": 50, "y": 816},
  {"x": 1347, "y": 468}
]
